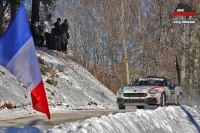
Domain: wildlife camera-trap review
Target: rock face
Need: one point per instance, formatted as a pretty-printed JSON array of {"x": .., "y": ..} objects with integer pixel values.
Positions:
[{"x": 67, "y": 84}]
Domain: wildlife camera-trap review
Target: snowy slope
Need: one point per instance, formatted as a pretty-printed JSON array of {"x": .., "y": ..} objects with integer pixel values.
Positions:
[
  {"x": 73, "y": 86},
  {"x": 12, "y": 92},
  {"x": 170, "y": 119}
]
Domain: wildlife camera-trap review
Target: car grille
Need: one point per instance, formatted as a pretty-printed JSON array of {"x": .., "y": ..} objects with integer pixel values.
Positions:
[
  {"x": 135, "y": 94},
  {"x": 135, "y": 100}
]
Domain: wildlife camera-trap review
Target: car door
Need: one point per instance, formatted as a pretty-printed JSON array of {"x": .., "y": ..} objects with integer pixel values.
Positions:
[
  {"x": 171, "y": 91},
  {"x": 169, "y": 84}
]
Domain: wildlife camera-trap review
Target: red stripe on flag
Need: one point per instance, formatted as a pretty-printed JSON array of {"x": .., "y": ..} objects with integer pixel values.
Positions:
[{"x": 39, "y": 99}]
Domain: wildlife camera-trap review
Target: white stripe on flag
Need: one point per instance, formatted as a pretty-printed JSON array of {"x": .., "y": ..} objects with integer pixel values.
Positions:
[{"x": 24, "y": 65}]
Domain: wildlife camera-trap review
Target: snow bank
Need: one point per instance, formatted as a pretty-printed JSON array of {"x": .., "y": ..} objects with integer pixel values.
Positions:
[
  {"x": 77, "y": 88},
  {"x": 170, "y": 119},
  {"x": 74, "y": 87},
  {"x": 163, "y": 120}
]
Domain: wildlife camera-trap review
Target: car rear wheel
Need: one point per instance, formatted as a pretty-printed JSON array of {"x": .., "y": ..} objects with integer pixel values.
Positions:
[
  {"x": 140, "y": 107},
  {"x": 121, "y": 106},
  {"x": 179, "y": 99},
  {"x": 162, "y": 100}
]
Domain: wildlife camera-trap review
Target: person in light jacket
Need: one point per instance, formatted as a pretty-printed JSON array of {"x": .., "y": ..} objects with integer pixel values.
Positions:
[{"x": 48, "y": 25}]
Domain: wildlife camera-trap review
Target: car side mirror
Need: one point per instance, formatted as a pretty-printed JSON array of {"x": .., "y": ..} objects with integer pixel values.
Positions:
[{"x": 173, "y": 85}]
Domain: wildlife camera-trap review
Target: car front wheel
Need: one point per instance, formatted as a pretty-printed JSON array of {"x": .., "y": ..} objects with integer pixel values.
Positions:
[{"x": 162, "y": 100}]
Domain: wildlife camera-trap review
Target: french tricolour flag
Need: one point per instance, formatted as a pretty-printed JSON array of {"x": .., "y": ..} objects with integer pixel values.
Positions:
[{"x": 17, "y": 55}]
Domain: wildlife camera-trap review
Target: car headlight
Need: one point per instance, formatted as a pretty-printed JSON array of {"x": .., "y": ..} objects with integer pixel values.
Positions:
[
  {"x": 155, "y": 91},
  {"x": 119, "y": 92}
]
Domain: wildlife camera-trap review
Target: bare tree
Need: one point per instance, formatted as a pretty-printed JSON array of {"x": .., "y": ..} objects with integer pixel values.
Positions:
[
  {"x": 119, "y": 41},
  {"x": 1, "y": 18}
]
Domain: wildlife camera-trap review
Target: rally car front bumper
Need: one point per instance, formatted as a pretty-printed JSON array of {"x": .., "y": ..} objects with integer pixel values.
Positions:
[{"x": 144, "y": 101}]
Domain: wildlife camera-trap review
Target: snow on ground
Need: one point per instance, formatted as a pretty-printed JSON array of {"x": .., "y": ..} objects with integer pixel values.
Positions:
[
  {"x": 12, "y": 92},
  {"x": 162, "y": 120},
  {"x": 171, "y": 119},
  {"x": 68, "y": 85},
  {"x": 76, "y": 87}
]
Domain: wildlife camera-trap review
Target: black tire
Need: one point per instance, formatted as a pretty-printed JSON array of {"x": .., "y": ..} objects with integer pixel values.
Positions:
[
  {"x": 140, "y": 107},
  {"x": 162, "y": 100},
  {"x": 121, "y": 106},
  {"x": 180, "y": 99}
]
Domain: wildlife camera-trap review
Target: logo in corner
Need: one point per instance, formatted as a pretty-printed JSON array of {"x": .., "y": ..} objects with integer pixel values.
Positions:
[{"x": 184, "y": 10}]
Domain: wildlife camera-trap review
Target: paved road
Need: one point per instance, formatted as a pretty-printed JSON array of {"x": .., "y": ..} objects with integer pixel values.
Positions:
[{"x": 40, "y": 121}]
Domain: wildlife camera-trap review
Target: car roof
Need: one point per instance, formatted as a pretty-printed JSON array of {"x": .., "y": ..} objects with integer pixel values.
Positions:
[{"x": 155, "y": 77}]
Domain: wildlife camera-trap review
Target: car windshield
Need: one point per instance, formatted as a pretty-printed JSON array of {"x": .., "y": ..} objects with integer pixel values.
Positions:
[{"x": 149, "y": 82}]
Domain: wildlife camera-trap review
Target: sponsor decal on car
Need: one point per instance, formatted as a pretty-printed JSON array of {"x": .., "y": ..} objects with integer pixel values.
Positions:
[
  {"x": 172, "y": 92},
  {"x": 122, "y": 89},
  {"x": 155, "y": 87},
  {"x": 158, "y": 99}
]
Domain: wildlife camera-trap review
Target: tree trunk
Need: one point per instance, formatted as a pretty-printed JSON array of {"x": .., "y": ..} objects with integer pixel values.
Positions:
[
  {"x": 195, "y": 93},
  {"x": 178, "y": 71},
  {"x": 183, "y": 58},
  {"x": 35, "y": 10},
  {"x": 191, "y": 64},
  {"x": 13, "y": 8},
  {"x": 141, "y": 42},
  {"x": 1, "y": 18},
  {"x": 97, "y": 54},
  {"x": 196, "y": 41},
  {"x": 74, "y": 48},
  {"x": 183, "y": 55},
  {"x": 124, "y": 42}
]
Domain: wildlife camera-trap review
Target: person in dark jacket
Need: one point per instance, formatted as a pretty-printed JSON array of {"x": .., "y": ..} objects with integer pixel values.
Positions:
[
  {"x": 57, "y": 34},
  {"x": 37, "y": 37},
  {"x": 65, "y": 35}
]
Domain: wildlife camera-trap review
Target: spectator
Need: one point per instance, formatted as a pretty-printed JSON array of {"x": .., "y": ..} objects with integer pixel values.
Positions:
[
  {"x": 65, "y": 35},
  {"x": 37, "y": 37},
  {"x": 57, "y": 34},
  {"x": 48, "y": 26}
]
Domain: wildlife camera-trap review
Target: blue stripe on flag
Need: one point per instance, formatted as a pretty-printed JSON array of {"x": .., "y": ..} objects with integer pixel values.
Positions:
[{"x": 16, "y": 35}]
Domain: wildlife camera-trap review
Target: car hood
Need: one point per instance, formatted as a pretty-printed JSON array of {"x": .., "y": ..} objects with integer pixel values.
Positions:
[{"x": 138, "y": 89}]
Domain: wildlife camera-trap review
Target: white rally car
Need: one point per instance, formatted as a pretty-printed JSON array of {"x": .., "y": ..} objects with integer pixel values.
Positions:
[{"x": 150, "y": 90}]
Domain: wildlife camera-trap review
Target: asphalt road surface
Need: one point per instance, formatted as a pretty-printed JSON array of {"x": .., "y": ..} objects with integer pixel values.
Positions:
[{"x": 41, "y": 121}]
